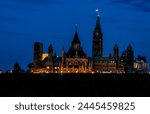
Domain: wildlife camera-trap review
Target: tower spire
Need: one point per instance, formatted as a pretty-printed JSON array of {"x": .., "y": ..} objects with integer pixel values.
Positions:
[
  {"x": 76, "y": 25},
  {"x": 76, "y": 37},
  {"x": 98, "y": 26},
  {"x": 97, "y": 50},
  {"x": 97, "y": 11}
]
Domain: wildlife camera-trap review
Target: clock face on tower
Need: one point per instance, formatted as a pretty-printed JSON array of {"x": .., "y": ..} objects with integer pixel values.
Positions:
[{"x": 97, "y": 33}]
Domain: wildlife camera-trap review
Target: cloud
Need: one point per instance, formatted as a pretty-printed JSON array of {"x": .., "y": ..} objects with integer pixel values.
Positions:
[{"x": 143, "y": 5}]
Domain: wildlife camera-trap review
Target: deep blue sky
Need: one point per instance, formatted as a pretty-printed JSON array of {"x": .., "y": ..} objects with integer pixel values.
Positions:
[{"x": 22, "y": 22}]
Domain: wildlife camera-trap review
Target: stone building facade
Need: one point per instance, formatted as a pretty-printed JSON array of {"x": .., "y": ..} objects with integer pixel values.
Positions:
[{"x": 75, "y": 59}]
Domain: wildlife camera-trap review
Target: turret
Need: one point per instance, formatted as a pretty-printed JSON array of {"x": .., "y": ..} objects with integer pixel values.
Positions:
[
  {"x": 63, "y": 52},
  {"x": 38, "y": 51},
  {"x": 116, "y": 52},
  {"x": 130, "y": 58}
]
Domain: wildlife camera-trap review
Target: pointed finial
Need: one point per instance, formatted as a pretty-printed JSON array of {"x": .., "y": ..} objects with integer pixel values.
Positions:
[
  {"x": 97, "y": 11},
  {"x": 63, "y": 48},
  {"x": 76, "y": 25}
]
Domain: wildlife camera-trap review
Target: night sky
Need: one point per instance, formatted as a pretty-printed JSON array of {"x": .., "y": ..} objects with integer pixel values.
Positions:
[{"x": 23, "y": 22}]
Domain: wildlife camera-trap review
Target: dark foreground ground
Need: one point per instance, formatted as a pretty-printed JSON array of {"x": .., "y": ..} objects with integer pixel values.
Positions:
[{"x": 74, "y": 85}]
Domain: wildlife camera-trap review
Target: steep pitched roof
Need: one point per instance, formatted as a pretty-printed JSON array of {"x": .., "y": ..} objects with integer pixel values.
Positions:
[
  {"x": 76, "y": 39},
  {"x": 76, "y": 49}
]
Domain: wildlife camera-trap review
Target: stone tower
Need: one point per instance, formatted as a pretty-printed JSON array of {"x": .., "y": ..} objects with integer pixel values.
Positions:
[
  {"x": 130, "y": 58},
  {"x": 97, "y": 48},
  {"x": 38, "y": 51}
]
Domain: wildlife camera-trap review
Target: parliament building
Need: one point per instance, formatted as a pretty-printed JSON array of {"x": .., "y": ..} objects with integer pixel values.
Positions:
[{"x": 75, "y": 59}]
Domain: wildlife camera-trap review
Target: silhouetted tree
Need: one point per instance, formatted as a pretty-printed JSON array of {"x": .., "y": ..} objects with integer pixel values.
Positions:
[{"x": 17, "y": 68}]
